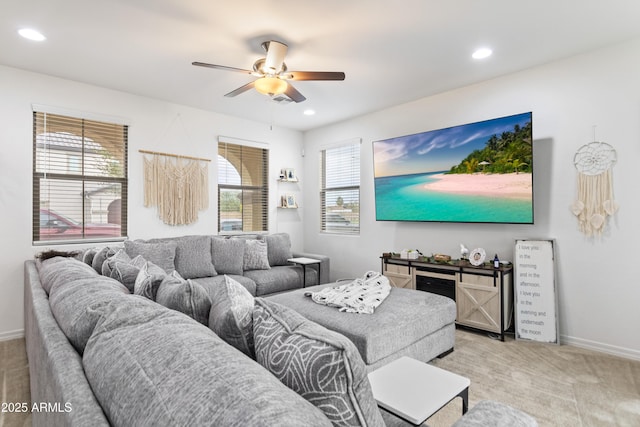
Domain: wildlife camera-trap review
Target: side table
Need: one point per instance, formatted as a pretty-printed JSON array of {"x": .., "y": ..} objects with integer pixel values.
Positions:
[
  {"x": 414, "y": 390},
  {"x": 304, "y": 261}
]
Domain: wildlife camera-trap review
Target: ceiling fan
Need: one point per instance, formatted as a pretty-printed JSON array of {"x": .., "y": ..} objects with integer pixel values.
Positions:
[{"x": 273, "y": 75}]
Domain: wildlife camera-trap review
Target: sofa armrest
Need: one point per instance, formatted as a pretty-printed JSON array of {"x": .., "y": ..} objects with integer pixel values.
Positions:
[{"x": 324, "y": 268}]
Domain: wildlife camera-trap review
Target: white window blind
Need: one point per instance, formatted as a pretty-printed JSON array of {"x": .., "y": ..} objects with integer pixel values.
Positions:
[
  {"x": 243, "y": 188},
  {"x": 340, "y": 189},
  {"x": 79, "y": 179}
]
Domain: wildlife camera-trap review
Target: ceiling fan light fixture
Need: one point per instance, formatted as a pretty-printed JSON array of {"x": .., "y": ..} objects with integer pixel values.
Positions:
[{"x": 270, "y": 86}]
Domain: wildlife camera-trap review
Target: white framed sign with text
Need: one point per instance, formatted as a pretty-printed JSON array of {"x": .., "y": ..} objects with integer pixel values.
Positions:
[{"x": 536, "y": 306}]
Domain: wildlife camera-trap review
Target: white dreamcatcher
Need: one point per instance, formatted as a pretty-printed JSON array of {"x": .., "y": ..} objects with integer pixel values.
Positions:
[{"x": 595, "y": 202}]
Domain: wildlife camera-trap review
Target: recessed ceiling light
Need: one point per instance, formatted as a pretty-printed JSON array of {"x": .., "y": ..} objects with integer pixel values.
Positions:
[
  {"x": 482, "y": 53},
  {"x": 309, "y": 112},
  {"x": 31, "y": 34}
]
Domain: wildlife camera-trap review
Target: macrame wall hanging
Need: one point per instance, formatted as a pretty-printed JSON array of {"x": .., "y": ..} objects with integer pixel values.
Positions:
[
  {"x": 177, "y": 185},
  {"x": 595, "y": 203}
]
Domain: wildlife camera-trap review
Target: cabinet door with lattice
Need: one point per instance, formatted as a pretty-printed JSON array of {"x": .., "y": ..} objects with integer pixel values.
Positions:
[
  {"x": 478, "y": 302},
  {"x": 399, "y": 276}
]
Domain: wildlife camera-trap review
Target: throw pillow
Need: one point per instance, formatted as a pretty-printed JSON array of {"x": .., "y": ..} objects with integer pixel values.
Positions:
[
  {"x": 193, "y": 257},
  {"x": 87, "y": 256},
  {"x": 255, "y": 255},
  {"x": 228, "y": 255},
  {"x": 185, "y": 296},
  {"x": 278, "y": 248},
  {"x": 322, "y": 366},
  {"x": 101, "y": 257},
  {"x": 148, "y": 280},
  {"x": 161, "y": 254},
  {"x": 127, "y": 272},
  {"x": 231, "y": 316},
  {"x": 110, "y": 262}
]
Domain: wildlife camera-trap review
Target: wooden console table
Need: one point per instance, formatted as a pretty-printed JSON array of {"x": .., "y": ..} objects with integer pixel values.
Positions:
[{"x": 483, "y": 294}]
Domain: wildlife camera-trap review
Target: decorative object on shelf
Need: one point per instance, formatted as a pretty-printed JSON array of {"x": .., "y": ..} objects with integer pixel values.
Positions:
[
  {"x": 177, "y": 185},
  {"x": 290, "y": 201},
  {"x": 464, "y": 252},
  {"x": 594, "y": 203},
  {"x": 477, "y": 256},
  {"x": 496, "y": 262},
  {"x": 409, "y": 254},
  {"x": 287, "y": 175},
  {"x": 441, "y": 258}
]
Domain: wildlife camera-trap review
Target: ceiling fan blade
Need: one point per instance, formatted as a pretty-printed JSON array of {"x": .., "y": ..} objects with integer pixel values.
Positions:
[
  {"x": 221, "y": 67},
  {"x": 275, "y": 57},
  {"x": 315, "y": 75},
  {"x": 240, "y": 90},
  {"x": 293, "y": 93}
]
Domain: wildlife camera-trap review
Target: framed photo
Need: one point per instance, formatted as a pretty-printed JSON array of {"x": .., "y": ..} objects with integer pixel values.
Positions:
[
  {"x": 477, "y": 256},
  {"x": 290, "y": 175},
  {"x": 290, "y": 201}
]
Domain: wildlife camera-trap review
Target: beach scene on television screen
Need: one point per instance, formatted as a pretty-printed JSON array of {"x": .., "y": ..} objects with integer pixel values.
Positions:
[{"x": 478, "y": 172}]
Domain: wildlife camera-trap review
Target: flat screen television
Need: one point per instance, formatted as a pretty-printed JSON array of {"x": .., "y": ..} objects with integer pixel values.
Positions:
[{"x": 476, "y": 173}]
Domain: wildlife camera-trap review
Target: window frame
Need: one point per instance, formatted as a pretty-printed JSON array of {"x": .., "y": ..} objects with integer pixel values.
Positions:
[
  {"x": 347, "y": 227},
  {"x": 263, "y": 190},
  {"x": 40, "y": 116}
]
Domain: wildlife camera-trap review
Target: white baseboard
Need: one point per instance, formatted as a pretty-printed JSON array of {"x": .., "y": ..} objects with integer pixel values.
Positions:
[
  {"x": 603, "y": 348},
  {"x": 11, "y": 335}
]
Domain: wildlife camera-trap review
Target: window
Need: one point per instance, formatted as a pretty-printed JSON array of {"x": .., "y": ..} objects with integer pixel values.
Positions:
[
  {"x": 340, "y": 189},
  {"x": 243, "y": 188},
  {"x": 79, "y": 179}
]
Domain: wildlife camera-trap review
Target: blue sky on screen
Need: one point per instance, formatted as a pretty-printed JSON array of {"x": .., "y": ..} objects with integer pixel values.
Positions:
[{"x": 438, "y": 150}]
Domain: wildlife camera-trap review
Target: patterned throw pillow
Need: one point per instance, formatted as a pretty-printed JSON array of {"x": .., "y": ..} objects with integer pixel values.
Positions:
[
  {"x": 322, "y": 366},
  {"x": 255, "y": 255},
  {"x": 231, "y": 316},
  {"x": 185, "y": 296}
]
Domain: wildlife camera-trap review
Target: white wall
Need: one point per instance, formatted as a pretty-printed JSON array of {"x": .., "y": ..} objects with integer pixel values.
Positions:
[
  {"x": 154, "y": 125},
  {"x": 598, "y": 289}
]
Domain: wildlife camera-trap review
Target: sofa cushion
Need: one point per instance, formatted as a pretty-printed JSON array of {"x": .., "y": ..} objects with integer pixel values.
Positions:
[
  {"x": 50, "y": 273},
  {"x": 228, "y": 255},
  {"x": 193, "y": 257},
  {"x": 148, "y": 280},
  {"x": 184, "y": 296},
  {"x": 151, "y": 366},
  {"x": 255, "y": 255},
  {"x": 72, "y": 302},
  {"x": 231, "y": 315},
  {"x": 161, "y": 254},
  {"x": 278, "y": 248},
  {"x": 322, "y": 366},
  {"x": 280, "y": 278},
  {"x": 100, "y": 257},
  {"x": 127, "y": 272}
]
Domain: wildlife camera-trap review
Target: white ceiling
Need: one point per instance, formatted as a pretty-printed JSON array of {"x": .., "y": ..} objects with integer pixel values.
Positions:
[{"x": 391, "y": 51}]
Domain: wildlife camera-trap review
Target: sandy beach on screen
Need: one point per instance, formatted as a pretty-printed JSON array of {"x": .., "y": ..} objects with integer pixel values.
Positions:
[{"x": 509, "y": 185}]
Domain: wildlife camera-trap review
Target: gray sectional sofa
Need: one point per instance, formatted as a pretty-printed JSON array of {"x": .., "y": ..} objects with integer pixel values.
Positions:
[{"x": 136, "y": 337}]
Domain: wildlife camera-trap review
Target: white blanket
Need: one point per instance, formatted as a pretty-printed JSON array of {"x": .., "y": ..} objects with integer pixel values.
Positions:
[{"x": 363, "y": 295}]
